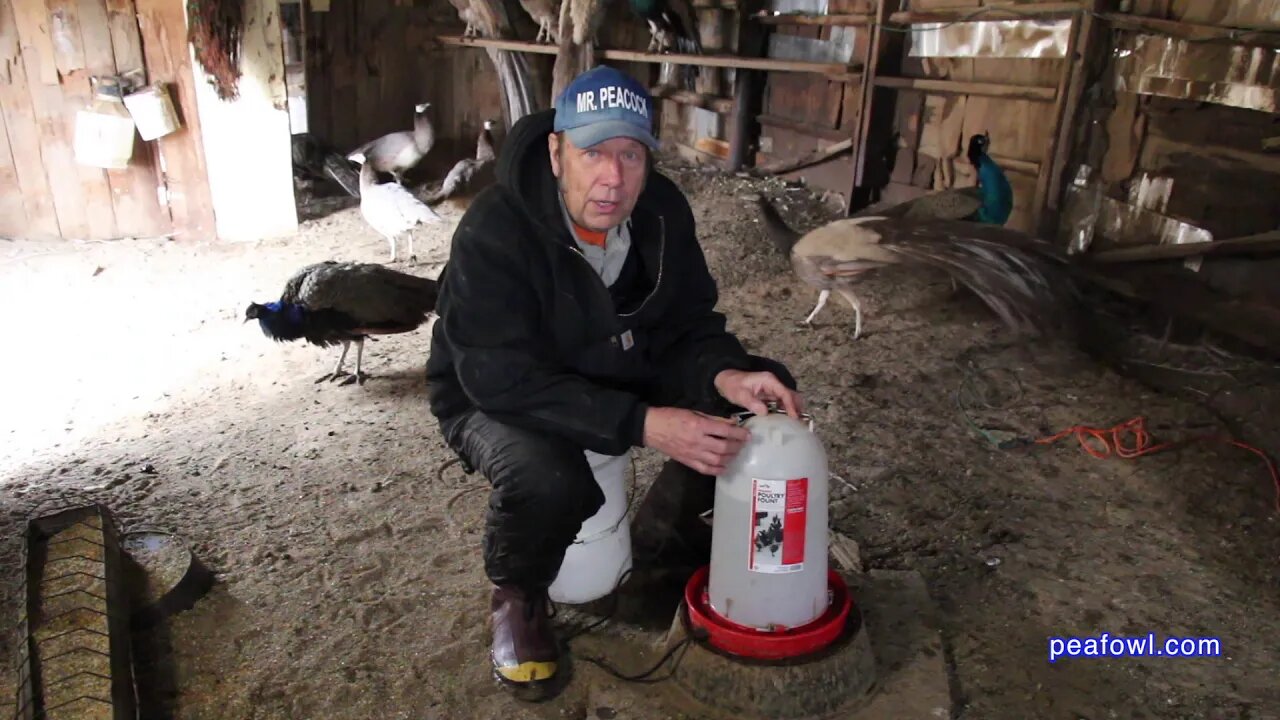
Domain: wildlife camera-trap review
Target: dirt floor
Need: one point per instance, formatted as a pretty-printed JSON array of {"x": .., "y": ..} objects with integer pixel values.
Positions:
[{"x": 349, "y": 571}]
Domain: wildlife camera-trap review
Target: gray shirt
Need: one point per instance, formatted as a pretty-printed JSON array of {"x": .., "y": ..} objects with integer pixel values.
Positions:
[{"x": 607, "y": 260}]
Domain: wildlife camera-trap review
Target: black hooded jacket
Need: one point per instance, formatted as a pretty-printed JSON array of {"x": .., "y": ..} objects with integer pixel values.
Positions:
[{"x": 530, "y": 334}]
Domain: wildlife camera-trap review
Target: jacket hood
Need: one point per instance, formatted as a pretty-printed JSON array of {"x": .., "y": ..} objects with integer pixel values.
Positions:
[{"x": 524, "y": 168}]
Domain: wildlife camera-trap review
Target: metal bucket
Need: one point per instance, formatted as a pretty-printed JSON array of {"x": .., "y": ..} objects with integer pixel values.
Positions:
[{"x": 153, "y": 111}]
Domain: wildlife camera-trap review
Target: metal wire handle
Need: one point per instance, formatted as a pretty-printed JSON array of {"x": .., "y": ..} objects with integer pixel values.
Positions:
[{"x": 774, "y": 408}]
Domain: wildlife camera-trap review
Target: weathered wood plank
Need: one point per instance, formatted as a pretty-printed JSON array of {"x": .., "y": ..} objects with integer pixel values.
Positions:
[
  {"x": 32, "y": 18},
  {"x": 95, "y": 190},
  {"x": 368, "y": 108},
  {"x": 54, "y": 138},
  {"x": 9, "y": 51},
  {"x": 134, "y": 196},
  {"x": 126, "y": 41},
  {"x": 956, "y": 87},
  {"x": 164, "y": 42},
  {"x": 343, "y": 44},
  {"x": 65, "y": 33},
  {"x": 13, "y": 216},
  {"x": 1125, "y": 130},
  {"x": 98, "y": 59},
  {"x": 24, "y": 140}
]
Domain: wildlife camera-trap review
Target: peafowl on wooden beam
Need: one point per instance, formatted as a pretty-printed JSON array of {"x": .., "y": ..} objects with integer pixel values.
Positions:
[
  {"x": 673, "y": 25},
  {"x": 579, "y": 24},
  {"x": 488, "y": 18}
]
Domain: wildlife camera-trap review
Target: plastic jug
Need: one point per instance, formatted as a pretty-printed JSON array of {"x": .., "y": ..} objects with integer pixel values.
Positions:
[{"x": 769, "y": 530}]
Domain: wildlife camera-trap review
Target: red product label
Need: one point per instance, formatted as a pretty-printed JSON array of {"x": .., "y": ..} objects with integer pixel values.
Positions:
[{"x": 778, "y": 514}]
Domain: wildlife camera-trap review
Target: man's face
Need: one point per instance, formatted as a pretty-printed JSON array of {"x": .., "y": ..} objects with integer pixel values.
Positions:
[{"x": 602, "y": 183}]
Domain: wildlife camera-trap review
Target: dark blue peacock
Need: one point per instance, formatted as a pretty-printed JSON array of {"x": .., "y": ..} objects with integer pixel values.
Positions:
[
  {"x": 993, "y": 186},
  {"x": 991, "y": 202},
  {"x": 331, "y": 303}
]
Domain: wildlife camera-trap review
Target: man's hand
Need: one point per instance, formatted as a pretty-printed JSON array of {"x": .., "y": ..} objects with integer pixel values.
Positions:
[
  {"x": 751, "y": 390},
  {"x": 703, "y": 442}
]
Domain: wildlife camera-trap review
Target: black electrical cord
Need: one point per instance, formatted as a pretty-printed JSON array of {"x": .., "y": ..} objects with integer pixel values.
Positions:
[{"x": 647, "y": 676}]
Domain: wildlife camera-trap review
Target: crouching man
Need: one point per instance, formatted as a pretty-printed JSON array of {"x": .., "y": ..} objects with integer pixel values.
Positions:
[{"x": 577, "y": 316}]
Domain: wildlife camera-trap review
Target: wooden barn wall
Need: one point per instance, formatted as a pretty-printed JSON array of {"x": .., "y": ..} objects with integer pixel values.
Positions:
[
  {"x": 1151, "y": 170},
  {"x": 49, "y": 49},
  {"x": 930, "y": 132},
  {"x": 803, "y": 113},
  {"x": 699, "y": 135},
  {"x": 1208, "y": 162},
  {"x": 379, "y": 60}
]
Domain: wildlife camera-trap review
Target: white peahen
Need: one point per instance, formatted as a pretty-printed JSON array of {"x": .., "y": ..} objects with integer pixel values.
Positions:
[{"x": 392, "y": 210}]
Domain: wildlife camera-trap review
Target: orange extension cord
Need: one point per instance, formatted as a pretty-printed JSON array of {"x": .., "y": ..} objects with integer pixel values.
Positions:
[{"x": 1102, "y": 443}]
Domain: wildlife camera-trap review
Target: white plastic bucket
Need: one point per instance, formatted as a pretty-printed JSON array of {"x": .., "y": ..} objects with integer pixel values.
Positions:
[
  {"x": 103, "y": 140},
  {"x": 601, "y": 553},
  {"x": 152, "y": 111}
]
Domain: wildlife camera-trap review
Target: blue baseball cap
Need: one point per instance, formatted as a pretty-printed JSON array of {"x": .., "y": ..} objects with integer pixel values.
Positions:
[{"x": 603, "y": 103}]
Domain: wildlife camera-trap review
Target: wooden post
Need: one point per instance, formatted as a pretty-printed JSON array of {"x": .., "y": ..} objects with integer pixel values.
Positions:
[
  {"x": 711, "y": 33},
  {"x": 748, "y": 85},
  {"x": 1070, "y": 88},
  {"x": 870, "y": 68}
]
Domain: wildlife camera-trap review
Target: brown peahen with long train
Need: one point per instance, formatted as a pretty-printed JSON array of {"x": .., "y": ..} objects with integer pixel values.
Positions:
[
  {"x": 1012, "y": 272},
  {"x": 332, "y": 303}
]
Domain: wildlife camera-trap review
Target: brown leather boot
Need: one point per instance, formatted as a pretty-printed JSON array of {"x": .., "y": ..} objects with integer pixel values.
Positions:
[{"x": 524, "y": 643}]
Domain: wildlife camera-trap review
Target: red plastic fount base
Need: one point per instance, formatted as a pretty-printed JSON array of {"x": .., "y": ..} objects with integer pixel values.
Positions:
[{"x": 749, "y": 642}]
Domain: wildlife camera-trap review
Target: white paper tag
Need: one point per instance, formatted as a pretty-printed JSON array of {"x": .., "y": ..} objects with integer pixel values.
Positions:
[
  {"x": 628, "y": 341},
  {"x": 778, "y": 515}
]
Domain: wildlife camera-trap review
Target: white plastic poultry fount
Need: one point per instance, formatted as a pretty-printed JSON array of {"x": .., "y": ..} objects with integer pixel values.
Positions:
[{"x": 769, "y": 534}]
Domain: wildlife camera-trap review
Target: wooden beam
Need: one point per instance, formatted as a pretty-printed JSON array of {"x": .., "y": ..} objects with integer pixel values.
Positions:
[
  {"x": 813, "y": 158},
  {"x": 1004, "y": 11},
  {"x": 497, "y": 44},
  {"x": 1026, "y": 167},
  {"x": 1070, "y": 89},
  {"x": 1034, "y": 93},
  {"x": 833, "y": 20},
  {"x": 1262, "y": 243},
  {"x": 730, "y": 61},
  {"x": 709, "y": 60},
  {"x": 1194, "y": 32},
  {"x": 693, "y": 99}
]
